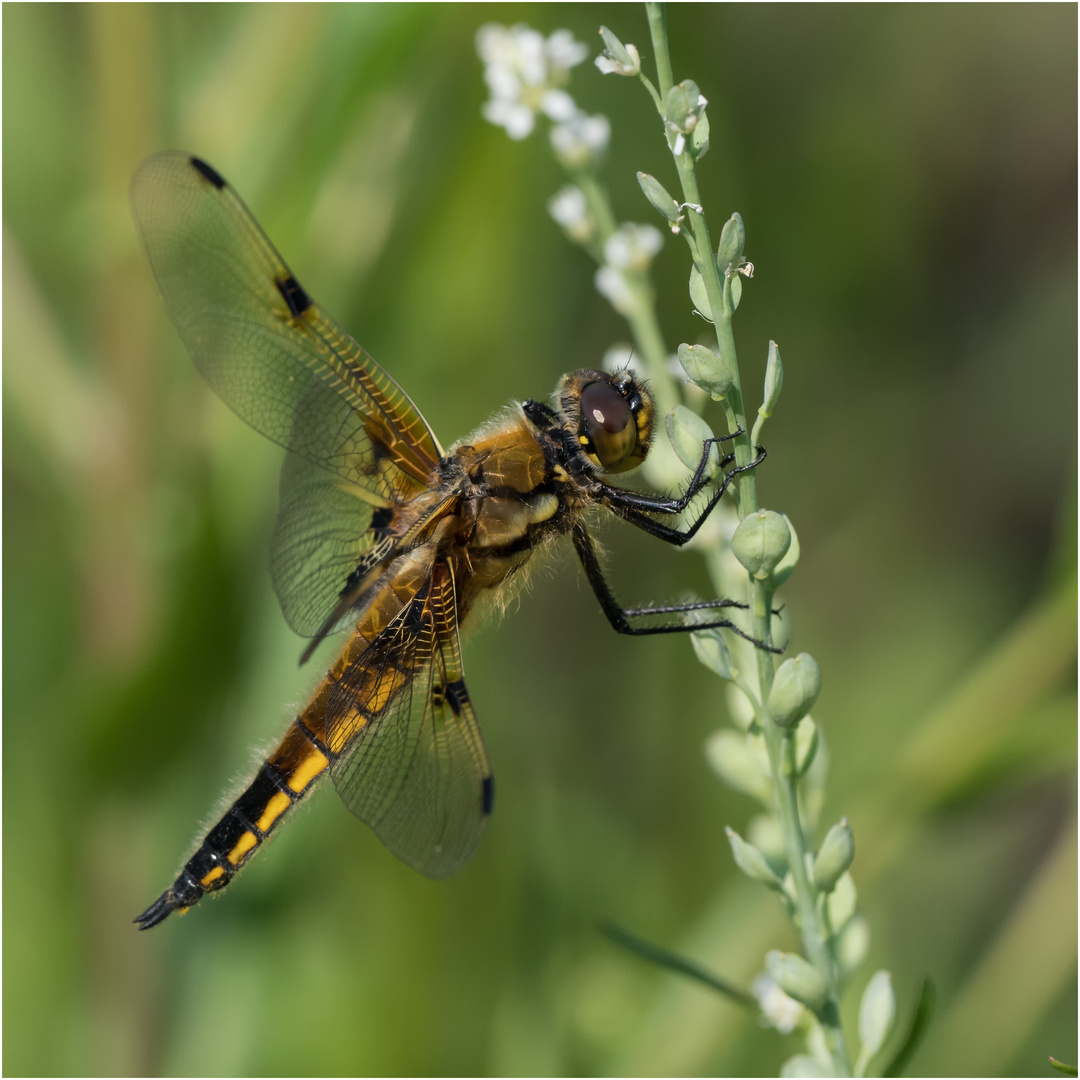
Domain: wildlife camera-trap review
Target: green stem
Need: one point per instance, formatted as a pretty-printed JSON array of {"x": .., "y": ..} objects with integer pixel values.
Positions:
[{"x": 760, "y": 594}]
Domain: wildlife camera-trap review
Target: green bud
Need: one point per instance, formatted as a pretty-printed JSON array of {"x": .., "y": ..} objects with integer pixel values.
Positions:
[
  {"x": 783, "y": 568},
  {"x": 751, "y": 861},
  {"x": 698, "y": 294},
  {"x": 774, "y": 381},
  {"x": 688, "y": 432},
  {"x": 711, "y": 649},
  {"x": 760, "y": 542},
  {"x": 685, "y": 106},
  {"x": 877, "y": 1011},
  {"x": 840, "y": 903},
  {"x": 707, "y": 370},
  {"x": 803, "y": 1065},
  {"x": 740, "y": 707},
  {"x": 806, "y": 745},
  {"x": 797, "y": 978},
  {"x": 835, "y": 856},
  {"x": 795, "y": 688},
  {"x": 853, "y": 944},
  {"x": 764, "y": 832},
  {"x": 730, "y": 756},
  {"x": 658, "y": 195},
  {"x": 734, "y": 289},
  {"x": 729, "y": 251}
]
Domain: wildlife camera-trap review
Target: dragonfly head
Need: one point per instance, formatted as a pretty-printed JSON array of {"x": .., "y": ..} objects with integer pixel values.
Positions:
[{"x": 607, "y": 418}]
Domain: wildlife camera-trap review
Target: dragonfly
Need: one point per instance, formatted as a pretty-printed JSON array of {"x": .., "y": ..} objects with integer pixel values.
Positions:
[{"x": 383, "y": 532}]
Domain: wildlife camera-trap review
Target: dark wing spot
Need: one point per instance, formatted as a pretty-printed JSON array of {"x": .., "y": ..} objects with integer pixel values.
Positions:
[
  {"x": 294, "y": 296},
  {"x": 487, "y": 794},
  {"x": 208, "y": 173},
  {"x": 381, "y": 518},
  {"x": 456, "y": 695}
]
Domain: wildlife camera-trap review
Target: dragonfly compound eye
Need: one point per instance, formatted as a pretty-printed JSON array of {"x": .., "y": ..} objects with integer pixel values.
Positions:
[{"x": 610, "y": 423}]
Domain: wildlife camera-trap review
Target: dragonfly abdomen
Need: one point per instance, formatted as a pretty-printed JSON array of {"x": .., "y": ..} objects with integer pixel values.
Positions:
[{"x": 282, "y": 780}]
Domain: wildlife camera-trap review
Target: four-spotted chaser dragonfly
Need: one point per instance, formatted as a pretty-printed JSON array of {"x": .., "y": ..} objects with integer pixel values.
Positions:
[{"x": 382, "y": 530}]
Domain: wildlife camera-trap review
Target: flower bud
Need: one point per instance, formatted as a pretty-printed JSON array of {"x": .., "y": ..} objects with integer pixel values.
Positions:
[
  {"x": 706, "y": 369},
  {"x": 685, "y": 107},
  {"x": 806, "y": 745},
  {"x": 699, "y": 296},
  {"x": 835, "y": 856},
  {"x": 617, "y": 58},
  {"x": 797, "y": 978},
  {"x": 658, "y": 195},
  {"x": 795, "y": 688},
  {"x": 774, "y": 381},
  {"x": 877, "y": 1011},
  {"x": 711, "y": 649},
  {"x": 853, "y": 944},
  {"x": 751, "y": 861},
  {"x": 760, "y": 542},
  {"x": 840, "y": 903},
  {"x": 732, "y": 759},
  {"x": 782, "y": 570},
  {"x": 729, "y": 251},
  {"x": 688, "y": 433},
  {"x": 764, "y": 832}
]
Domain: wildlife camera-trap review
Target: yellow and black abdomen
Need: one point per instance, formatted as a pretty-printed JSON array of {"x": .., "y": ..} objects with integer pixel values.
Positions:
[{"x": 282, "y": 780}]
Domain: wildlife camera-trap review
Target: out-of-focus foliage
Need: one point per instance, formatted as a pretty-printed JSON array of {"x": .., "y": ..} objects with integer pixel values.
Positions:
[{"x": 907, "y": 176}]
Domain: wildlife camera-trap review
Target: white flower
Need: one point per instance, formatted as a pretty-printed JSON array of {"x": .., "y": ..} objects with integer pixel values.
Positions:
[
  {"x": 569, "y": 209},
  {"x": 581, "y": 140},
  {"x": 612, "y": 284},
  {"x": 779, "y": 1010},
  {"x": 610, "y": 65},
  {"x": 632, "y": 247},
  {"x": 564, "y": 52},
  {"x": 525, "y": 74},
  {"x": 516, "y": 119}
]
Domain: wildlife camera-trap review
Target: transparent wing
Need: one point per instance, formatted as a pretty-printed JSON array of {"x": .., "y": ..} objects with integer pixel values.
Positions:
[
  {"x": 281, "y": 363},
  {"x": 411, "y": 762},
  {"x": 325, "y": 538}
]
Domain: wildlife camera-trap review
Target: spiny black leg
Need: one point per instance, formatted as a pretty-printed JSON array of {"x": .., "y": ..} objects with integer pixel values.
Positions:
[
  {"x": 633, "y": 510},
  {"x": 661, "y": 504},
  {"x": 620, "y": 617}
]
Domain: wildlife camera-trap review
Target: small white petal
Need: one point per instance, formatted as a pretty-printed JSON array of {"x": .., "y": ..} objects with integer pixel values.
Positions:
[
  {"x": 558, "y": 105},
  {"x": 567, "y": 206},
  {"x": 531, "y": 62},
  {"x": 502, "y": 82},
  {"x": 606, "y": 65},
  {"x": 783, "y": 1012},
  {"x": 632, "y": 247},
  {"x": 563, "y": 51},
  {"x": 596, "y": 132},
  {"x": 516, "y": 119},
  {"x": 680, "y": 144},
  {"x": 611, "y": 284}
]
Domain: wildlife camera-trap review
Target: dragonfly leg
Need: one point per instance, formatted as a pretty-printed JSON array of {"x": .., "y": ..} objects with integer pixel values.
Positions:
[
  {"x": 634, "y": 507},
  {"x": 623, "y": 619}
]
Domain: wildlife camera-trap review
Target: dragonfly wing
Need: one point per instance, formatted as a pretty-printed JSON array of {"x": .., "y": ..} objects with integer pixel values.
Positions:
[
  {"x": 280, "y": 362},
  {"x": 409, "y": 758},
  {"x": 326, "y": 538}
]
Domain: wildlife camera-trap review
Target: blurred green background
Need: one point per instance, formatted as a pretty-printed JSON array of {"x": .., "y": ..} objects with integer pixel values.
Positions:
[{"x": 907, "y": 175}]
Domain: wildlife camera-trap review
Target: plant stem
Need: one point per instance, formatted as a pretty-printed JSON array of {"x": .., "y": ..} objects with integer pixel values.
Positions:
[{"x": 779, "y": 742}]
